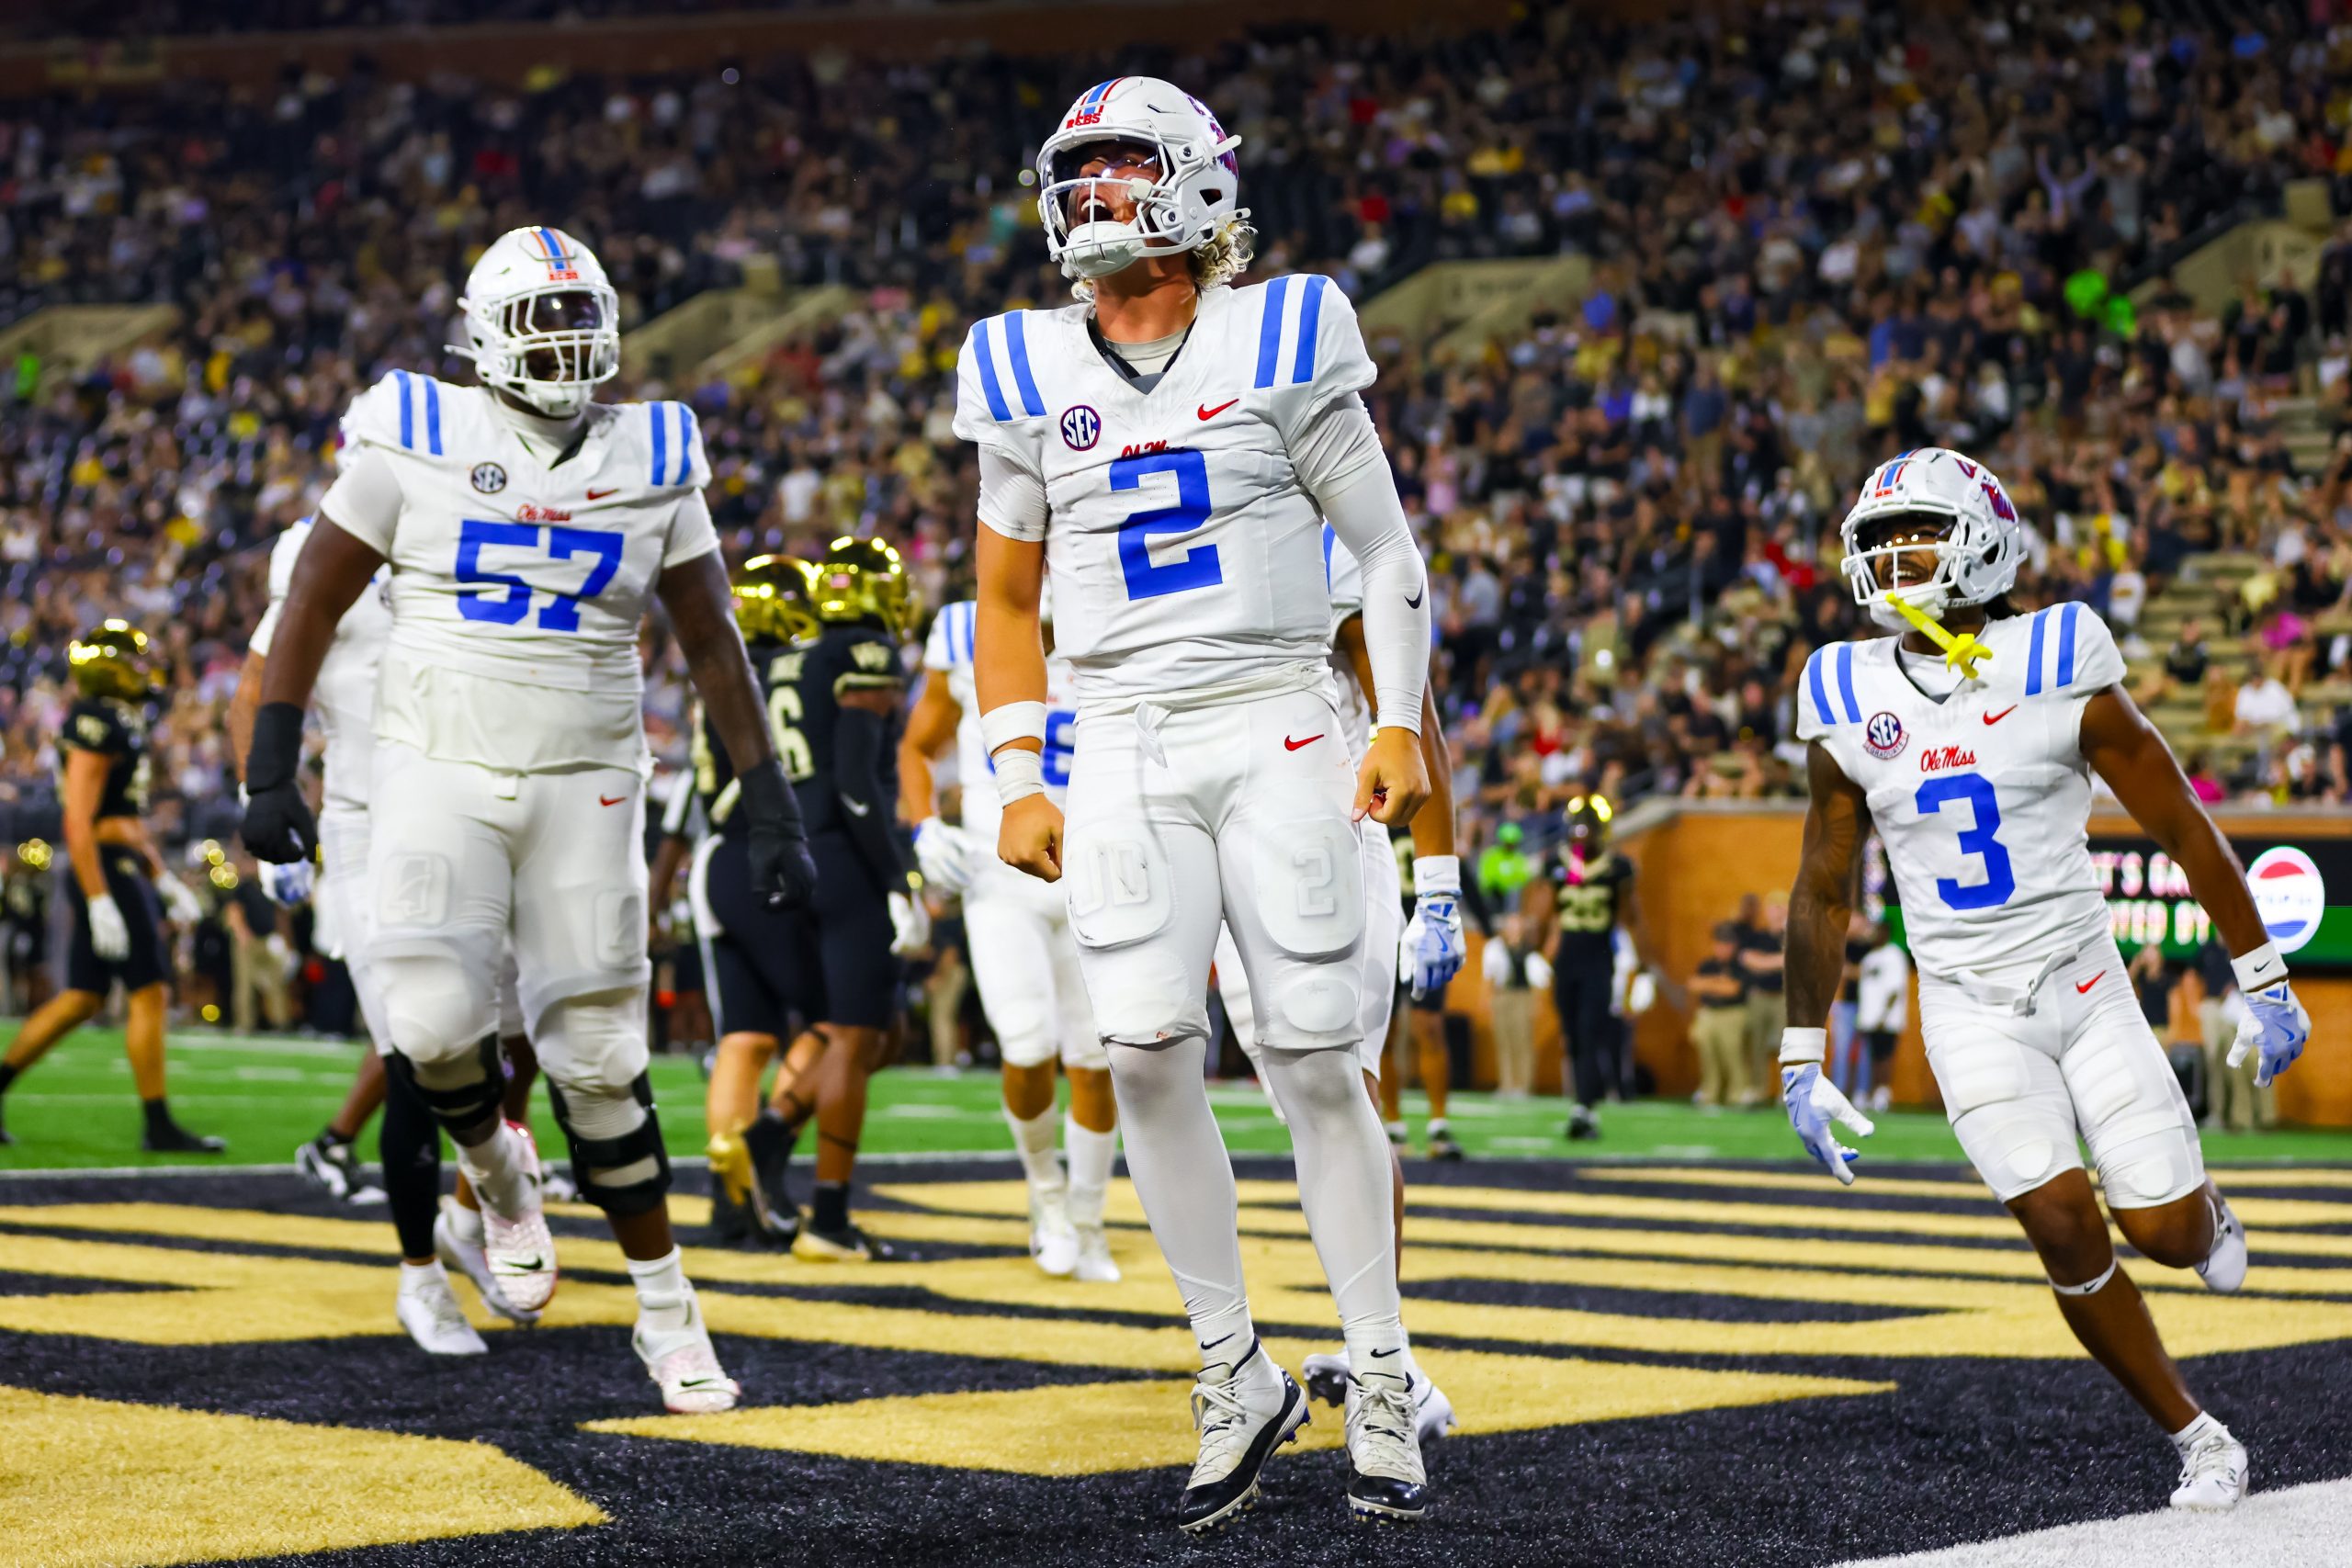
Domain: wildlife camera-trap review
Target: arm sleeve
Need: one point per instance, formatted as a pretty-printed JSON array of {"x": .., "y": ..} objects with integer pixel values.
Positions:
[
  {"x": 364, "y": 500},
  {"x": 1358, "y": 495},
  {"x": 691, "y": 536},
  {"x": 869, "y": 805},
  {"x": 1012, "y": 495}
]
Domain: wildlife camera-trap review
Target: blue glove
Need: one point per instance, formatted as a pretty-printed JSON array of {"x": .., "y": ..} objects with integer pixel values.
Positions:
[
  {"x": 2275, "y": 1025},
  {"x": 1815, "y": 1107},
  {"x": 1434, "y": 949},
  {"x": 287, "y": 883}
]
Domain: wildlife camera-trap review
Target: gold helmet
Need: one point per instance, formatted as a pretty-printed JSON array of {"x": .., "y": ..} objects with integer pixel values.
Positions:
[
  {"x": 774, "y": 601},
  {"x": 111, "y": 660},
  {"x": 859, "y": 580}
]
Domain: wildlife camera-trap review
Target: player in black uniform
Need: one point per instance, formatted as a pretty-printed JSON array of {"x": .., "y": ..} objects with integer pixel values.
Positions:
[
  {"x": 24, "y": 916},
  {"x": 1590, "y": 892},
  {"x": 114, "y": 869},
  {"x": 845, "y": 713},
  {"x": 746, "y": 946}
]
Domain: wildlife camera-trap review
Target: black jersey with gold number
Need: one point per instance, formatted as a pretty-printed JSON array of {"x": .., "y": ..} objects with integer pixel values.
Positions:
[
  {"x": 116, "y": 731},
  {"x": 1589, "y": 899},
  {"x": 844, "y": 659},
  {"x": 775, "y": 670}
]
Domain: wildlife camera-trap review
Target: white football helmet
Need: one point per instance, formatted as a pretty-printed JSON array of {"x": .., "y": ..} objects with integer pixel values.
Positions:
[
  {"x": 1977, "y": 555},
  {"x": 544, "y": 323},
  {"x": 1188, "y": 200}
]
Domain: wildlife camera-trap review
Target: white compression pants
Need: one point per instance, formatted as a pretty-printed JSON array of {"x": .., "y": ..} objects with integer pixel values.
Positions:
[
  {"x": 2020, "y": 1088},
  {"x": 1384, "y": 929},
  {"x": 1238, "y": 812},
  {"x": 1025, "y": 963}
]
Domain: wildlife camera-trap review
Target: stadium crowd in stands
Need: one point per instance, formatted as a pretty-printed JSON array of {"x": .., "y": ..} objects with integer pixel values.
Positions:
[{"x": 1818, "y": 236}]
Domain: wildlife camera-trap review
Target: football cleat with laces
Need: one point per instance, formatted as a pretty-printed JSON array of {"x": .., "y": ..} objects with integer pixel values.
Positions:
[
  {"x": 1053, "y": 1241},
  {"x": 1329, "y": 1382},
  {"x": 456, "y": 1242},
  {"x": 520, "y": 1247},
  {"x": 2225, "y": 1268},
  {"x": 1243, "y": 1412},
  {"x": 1095, "y": 1266},
  {"x": 677, "y": 1353},
  {"x": 428, "y": 1309},
  {"x": 332, "y": 1165},
  {"x": 1389, "y": 1485},
  {"x": 2212, "y": 1473}
]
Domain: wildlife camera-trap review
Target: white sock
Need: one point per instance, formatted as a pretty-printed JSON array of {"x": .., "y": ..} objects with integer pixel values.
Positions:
[
  {"x": 2189, "y": 1436},
  {"x": 466, "y": 1224},
  {"x": 1183, "y": 1176},
  {"x": 416, "y": 1276},
  {"x": 661, "y": 1282},
  {"x": 1033, "y": 1140},
  {"x": 496, "y": 1170},
  {"x": 1091, "y": 1155}
]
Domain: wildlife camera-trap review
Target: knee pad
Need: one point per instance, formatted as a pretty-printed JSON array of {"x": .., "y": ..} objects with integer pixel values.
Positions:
[
  {"x": 461, "y": 1091},
  {"x": 1313, "y": 1083},
  {"x": 436, "y": 998},
  {"x": 618, "y": 1156}
]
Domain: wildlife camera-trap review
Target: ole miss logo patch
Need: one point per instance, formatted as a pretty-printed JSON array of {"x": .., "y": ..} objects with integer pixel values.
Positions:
[
  {"x": 1883, "y": 736},
  {"x": 1082, "y": 428}
]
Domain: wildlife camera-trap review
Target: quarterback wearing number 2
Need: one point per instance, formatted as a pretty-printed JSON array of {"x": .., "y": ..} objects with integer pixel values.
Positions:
[{"x": 1969, "y": 740}]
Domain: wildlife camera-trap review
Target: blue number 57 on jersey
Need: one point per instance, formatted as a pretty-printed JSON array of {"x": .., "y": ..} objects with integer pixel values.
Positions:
[{"x": 600, "y": 548}]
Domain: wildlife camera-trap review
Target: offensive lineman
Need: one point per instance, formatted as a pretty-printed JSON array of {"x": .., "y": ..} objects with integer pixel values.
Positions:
[
  {"x": 1968, "y": 742},
  {"x": 1165, "y": 446},
  {"x": 1023, "y": 955},
  {"x": 526, "y": 526}
]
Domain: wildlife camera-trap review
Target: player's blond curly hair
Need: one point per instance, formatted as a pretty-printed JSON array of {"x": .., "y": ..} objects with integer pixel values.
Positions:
[{"x": 1226, "y": 257}]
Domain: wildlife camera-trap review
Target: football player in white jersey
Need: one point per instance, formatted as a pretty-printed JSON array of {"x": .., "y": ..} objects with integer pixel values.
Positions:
[
  {"x": 1428, "y": 950},
  {"x": 1024, "y": 957},
  {"x": 1970, "y": 741},
  {"x": 528, "y": 527},
  {"x": 1164, "y": 449}
]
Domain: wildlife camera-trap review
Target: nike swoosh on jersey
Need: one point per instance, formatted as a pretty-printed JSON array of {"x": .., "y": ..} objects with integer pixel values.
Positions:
[
  {"x": 1290, "y": 745},
  {"x": 855, "y": 808},
  {"x": 1207, "y": 413},
  {"x": 610, "y": 799},
  {"x": 600, "y": 494},
  {"x": 1997, "y": 718},
  {"x": 2084, "y": 989}
]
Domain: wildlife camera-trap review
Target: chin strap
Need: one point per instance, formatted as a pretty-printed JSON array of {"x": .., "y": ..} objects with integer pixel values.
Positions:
[{"x": 1962, "y": 650}]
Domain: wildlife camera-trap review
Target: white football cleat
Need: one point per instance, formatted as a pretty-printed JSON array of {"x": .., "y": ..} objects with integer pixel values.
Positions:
[
  {"x": 2225, "y": 1270},
  {"x": 1389, "y": 1485},
  {"x": 2212, "y": 1473},
  {"x": 677, "y": 1353},
  {"x": 428, "y": 1309},
  {"x": 451, "y": 1244},
  {"x": 1053, "y": 1241},
  {"x": 1327, "y": 1380},
  {"x": 520, "y": 1247},
  {"x": 1244, "y": 1412},
  {"x": 1094, "y": 1263}
]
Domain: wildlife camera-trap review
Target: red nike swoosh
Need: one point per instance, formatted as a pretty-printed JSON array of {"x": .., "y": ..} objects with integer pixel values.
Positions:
[
  {"x": 2087, "y": 985},
  {"x": 600, "y": 494},
  {"x": 1997, "y": 718},
  {"x": 1290, "y": 745},
  {"x": 610, "y": 800},
  {"x": 1207, "y": 413}
]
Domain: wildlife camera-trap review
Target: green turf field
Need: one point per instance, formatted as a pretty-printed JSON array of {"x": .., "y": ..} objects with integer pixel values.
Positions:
[{"x": 264, "y": 1095}]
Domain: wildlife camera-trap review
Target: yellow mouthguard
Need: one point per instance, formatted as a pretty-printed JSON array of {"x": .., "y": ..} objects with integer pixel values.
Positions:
[{"x": 1962, "y": 650}]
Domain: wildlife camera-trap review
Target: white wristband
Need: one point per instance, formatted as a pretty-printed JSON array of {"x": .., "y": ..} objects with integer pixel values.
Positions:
[
  {"x": 1799, "y": 1046},
  {"x": 1020, "y": 773},
  {"x": 1437, "y": 873},
  {"x": 2261, "y": 969},
  {"x": 1012, "y": 721}
]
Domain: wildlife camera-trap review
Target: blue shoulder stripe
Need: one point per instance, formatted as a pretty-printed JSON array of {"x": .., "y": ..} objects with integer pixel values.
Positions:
[
  {"x": 660, "y": 439},
  {"x": 433, "y": 415},
  {"x": 2033, "y": 654},
  {"x": 2067, "y": 615},
  {"x": 407, "y": 409},
  {"x": 1270, "y": 331},
  {"x": 1016, "y": 338},
  {"x": 1846, "y": 682},
  {"x": 1310, "y": 321},
  {"x": 971, "y": 629},
  {"x": 685, "y": 444},
  {"x": 984, "y": 356},
  {"x": 1820, "y": 689}
]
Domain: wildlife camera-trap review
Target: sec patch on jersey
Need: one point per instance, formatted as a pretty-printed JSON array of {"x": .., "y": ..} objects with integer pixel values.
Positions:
[{"x": 1708, "y": 1366}]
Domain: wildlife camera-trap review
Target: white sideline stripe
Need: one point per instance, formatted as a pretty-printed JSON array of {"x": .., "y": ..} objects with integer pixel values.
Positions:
[
  {"x": 2298, "y": 1526},
  {"x": 76, "y": 1173}
]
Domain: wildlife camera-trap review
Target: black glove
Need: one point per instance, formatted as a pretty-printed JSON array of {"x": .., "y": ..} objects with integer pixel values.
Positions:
[
  {"x": 278, "y": 826},
  {"x": 782, "y": 872}
]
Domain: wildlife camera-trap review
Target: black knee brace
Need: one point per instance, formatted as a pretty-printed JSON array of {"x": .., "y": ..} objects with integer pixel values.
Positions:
[
  {"x": 590, "y": 1155},
  {"x": 464, "y": 1109}
]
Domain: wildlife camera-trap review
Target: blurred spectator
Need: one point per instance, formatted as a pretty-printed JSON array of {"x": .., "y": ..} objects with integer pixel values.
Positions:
[
  {"x": 1882, "y": 998},
  {"x": 1504, "y": 868},
  {"x": 1518, "y": 972},
  {"x": 1719, "y": 1022},
  {"x": 1763, "y": 933}
]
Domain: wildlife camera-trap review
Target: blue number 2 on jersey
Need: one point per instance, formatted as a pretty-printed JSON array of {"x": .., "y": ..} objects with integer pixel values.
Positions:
[
  {"x": 1977, "y": 838},
  {"x": 1199, "y": 568},
  {"x": 561, "y": 614}
]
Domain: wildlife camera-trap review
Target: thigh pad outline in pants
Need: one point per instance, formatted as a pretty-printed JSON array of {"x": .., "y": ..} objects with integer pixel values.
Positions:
[
  {"x": 442, "y": 888},
  {"x": 2002, "y": 1092},
  {"x": 1023, "y": 961},
  {"x": 2128, "y": 1102},
  {"x": 1291, "y": 863},
  {"x": 1143, "y": 903},
  {"x": 579, "y": 888}
]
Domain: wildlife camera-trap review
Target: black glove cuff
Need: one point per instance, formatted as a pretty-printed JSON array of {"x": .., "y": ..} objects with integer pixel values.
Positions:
[
  {"x": 767, "y": 795},
  {"x": 276, "y": 748}
]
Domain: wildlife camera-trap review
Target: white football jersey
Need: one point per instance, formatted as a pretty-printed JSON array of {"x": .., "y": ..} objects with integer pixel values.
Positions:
[
  {"x": 1187, "y": 557},
  {"x": 517, "y": 587},
  {"x": 345, "y": 694},
  {"x": 947, "y": 656},
  {"x": 1984, "y": 799},
  {"x": 1344, "y": 581}
]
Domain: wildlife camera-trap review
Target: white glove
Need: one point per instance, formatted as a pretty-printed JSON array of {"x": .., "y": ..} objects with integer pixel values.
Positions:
[
  {"x": 289, "y": 883},
  {"x": 2275, "y": 1023},
  {"x": 944, "y": 855},
  {"x": 1495, "y": 960},
  {"x": 910, "y": 923},
  {"x": 1433, "y": 948},
  {"x": 110, "y": 933},
  {"x": 180, "y": 905},
  {"x": 1815, "y": 1104}
]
